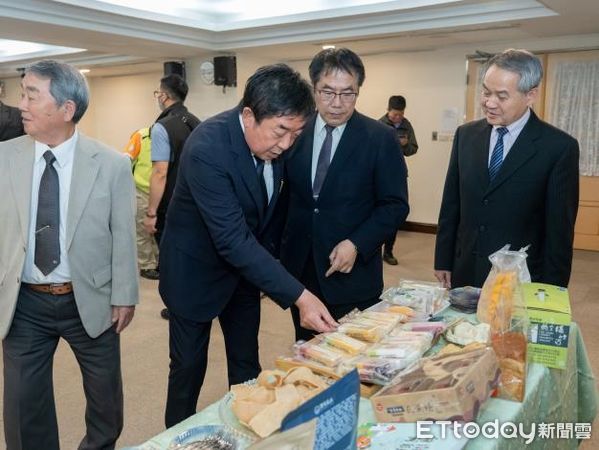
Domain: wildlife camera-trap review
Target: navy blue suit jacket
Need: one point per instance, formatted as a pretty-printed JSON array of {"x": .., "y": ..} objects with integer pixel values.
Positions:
[
  {"x": 533, "y": 201},
  {"x": 364, "y": 198},
  {"x": 218, "y": 228}
]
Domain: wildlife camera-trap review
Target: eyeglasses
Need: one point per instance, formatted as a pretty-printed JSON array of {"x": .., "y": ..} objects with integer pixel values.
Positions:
[
  {"x": 158, "y": 93},
  {"x": 329, "y": 96}
]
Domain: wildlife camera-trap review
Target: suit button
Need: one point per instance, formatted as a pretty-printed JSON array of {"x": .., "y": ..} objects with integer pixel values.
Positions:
[
  {"x": 18, "y": 280},
  {"x": 486, "y": 201},
  {"x": 316, "y": 210},
  {"x": 482, "y": 228}
]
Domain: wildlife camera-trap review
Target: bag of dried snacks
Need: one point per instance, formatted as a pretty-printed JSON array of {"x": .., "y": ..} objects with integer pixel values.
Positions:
[{"x": 502, "y": 306}]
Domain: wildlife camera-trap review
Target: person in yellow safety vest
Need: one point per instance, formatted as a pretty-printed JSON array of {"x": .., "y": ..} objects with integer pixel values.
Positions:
[{"x": 139, "y": 150}]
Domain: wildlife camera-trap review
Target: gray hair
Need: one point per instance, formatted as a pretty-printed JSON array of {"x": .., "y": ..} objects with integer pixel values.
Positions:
[
  {"x": 66, "y": 83},
  {"x": 520, "y": 62}
]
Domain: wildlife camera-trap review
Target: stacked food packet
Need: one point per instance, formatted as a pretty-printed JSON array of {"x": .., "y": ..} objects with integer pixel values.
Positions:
[{"x": 371, "y": 341}]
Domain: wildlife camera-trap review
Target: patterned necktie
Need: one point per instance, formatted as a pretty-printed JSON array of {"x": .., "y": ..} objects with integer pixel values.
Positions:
[
  {"x": 497, "y": 155},
  {"x": 261, "y": 180},
  {"x": 324, "y": 161},
  {"x": 47, "y": 240}
]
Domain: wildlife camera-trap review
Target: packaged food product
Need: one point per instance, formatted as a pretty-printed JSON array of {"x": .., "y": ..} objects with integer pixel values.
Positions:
[
  {"x": 394, "y": 350},
  {"x": 429, "y": 327},
  {"x": 464, "y": 299},
  {"x": 465, "y": 333},
  {"x": 364, "y": 330},
  {"x": 320, "y": 353},
  {"x": 419, "y": 339},
  {"x": 382, "y": 317},
  {"x": 377, "y": 370},
  {"x": 501, "y": 306},
  {"x": 425, "y": 298},
  {"x": 450, "y": 387},
  {"x": 344, "y": 342}
]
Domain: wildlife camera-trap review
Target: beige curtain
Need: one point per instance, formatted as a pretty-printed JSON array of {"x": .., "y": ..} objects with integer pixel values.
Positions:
[{"x": 575, "y": 108}]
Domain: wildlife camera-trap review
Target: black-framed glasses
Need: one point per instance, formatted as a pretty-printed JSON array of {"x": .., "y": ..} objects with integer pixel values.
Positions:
[{"x": 329, "y": 96}]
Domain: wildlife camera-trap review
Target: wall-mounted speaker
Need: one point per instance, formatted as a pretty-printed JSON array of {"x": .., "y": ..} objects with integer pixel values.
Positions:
[
  {"x": 176, "y": 67},
  {"x": 225, "y": 71}
]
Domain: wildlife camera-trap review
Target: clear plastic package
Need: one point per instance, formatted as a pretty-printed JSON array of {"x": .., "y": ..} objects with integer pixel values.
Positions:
[
  {"x": 365, "y": 330},
  {"x": 321, "y": 353},
  {"x": 501, "y": 305},
  {"x": 344, "y": 342},
  {"x": 377, "y": 370},
  {"x": 425, "y": 298}
]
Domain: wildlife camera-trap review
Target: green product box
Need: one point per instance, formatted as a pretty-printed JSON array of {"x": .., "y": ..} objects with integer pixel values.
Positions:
[{"x": 549, "y": 313}]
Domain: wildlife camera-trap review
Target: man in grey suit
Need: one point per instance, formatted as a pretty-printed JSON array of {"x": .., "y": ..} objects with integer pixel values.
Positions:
[{"x": 68, "y": 262}]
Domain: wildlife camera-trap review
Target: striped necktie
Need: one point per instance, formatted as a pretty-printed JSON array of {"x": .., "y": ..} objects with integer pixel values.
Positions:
[{"x": 497, "y": 155}]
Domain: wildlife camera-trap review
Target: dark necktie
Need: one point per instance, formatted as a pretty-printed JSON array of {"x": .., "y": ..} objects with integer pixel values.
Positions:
[
  {"x": 324, "y": 161},
  {"x": 261, "y": 181},
  {"x": 497, "y": 155},
  {"x": 47, "y": 241}
]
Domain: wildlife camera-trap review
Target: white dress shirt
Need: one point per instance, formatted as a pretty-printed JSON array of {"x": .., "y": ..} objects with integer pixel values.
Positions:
[
  {"x": 513, "y": 131},
  {"x": 319, "y": 136},
  {"x": 64, "y": 154}
]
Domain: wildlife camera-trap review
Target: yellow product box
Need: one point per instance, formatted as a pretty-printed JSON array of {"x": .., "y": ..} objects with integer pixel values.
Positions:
[{"x": 549, "y": 313}]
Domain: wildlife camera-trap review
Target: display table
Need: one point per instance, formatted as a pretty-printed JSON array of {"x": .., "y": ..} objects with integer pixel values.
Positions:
[{"x": 552, "y": 396}]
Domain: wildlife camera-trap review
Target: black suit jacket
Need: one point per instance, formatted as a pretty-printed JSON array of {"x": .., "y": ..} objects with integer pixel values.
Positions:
[
  {"x": 364, "y": 198},
  {"x": 217, "y": 226},
  {"x": 533, "y": 201},
  {"x": 11, "y": 124}
]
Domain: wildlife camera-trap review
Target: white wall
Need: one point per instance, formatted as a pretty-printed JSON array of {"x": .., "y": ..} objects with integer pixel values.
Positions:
[
  {"x": 122, "y": 104},
  {"x": 431, "y": 81},
  {"x": 206, "y": 100}
]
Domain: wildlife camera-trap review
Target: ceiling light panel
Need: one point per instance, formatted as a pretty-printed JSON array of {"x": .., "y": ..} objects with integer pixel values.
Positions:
[{"x": 15, "y": 50}]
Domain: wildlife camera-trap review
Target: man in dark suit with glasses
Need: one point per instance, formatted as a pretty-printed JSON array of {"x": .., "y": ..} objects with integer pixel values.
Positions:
[{"x": 347, "y": 193}]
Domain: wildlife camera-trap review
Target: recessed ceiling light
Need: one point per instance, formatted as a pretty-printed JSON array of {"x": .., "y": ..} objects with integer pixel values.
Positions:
[
  {"x": 328, "y": 47},
  {"x": 15, "y": 50}
]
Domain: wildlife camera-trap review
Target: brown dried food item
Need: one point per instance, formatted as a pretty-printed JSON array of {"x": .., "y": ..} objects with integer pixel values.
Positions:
[
  {"x": 270, "y": 379},
  {"x": 511, "y": 385},
  {"x": 269, "y": 419},
  {"x": 263, "y": 406},
  {"x": 511, "y": 354},
  {"x": 510, "y": 345},
  {"x": 245, "y": 410}
]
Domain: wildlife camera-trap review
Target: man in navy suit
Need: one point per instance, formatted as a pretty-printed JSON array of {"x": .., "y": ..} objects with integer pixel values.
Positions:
[
  {"x": 512, "y": 179},
  {"x": 217, "y": 250},
  {"x": 347, "y": 193}
]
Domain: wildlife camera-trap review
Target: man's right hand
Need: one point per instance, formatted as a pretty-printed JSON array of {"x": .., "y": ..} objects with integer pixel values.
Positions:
[
  {"x": 313, "y": 314},
  {"x": 150, "y": 224},
  {"x": 444, "y": 276}
]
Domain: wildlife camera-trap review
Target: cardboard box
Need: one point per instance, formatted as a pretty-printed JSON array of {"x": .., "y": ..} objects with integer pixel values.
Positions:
[
  {"x": 477, "y": 374},
  {"x": 550, "y": 317}
]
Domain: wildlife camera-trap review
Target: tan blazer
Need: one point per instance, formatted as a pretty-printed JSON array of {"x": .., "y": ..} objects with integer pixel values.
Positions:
[{"x": 100, "y": 229}]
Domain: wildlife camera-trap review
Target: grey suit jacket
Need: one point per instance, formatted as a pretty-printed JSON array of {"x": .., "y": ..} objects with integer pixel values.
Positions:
[{"x": 100, "y": 230}]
